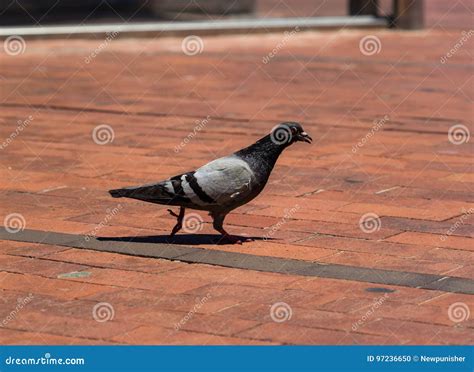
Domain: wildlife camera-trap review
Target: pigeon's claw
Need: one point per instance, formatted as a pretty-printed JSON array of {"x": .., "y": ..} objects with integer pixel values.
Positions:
[
  {"x": 173, "y": 213},
  {"x": 179, "y": 223}
]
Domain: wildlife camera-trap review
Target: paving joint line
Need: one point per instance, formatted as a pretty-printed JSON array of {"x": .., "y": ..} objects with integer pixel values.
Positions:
[{"x": 193, "y": 255}]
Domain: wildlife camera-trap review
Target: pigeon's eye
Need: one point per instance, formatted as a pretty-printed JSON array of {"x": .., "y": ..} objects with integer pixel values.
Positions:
[{"x": 293, "y": 130}]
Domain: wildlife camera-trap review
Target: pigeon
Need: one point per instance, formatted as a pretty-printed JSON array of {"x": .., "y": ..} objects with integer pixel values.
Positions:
[{"x": 221, "y": 185}]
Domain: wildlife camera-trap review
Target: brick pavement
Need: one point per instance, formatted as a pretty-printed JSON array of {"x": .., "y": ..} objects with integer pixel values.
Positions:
[{"x": 407, "y": 172}]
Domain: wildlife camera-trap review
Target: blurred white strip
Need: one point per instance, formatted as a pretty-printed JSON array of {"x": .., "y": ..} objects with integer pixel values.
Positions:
[{"x": 186, "y": 27}]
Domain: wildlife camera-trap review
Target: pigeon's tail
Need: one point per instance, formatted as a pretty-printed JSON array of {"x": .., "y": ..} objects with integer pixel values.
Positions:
[
  {"x": 120, "y": 193},
  {"x": 153, "y": 193}
]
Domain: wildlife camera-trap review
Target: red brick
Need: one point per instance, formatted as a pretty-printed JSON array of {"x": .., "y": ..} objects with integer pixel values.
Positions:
[
  {"x": 15, "y": 337},
  {"x": 114, "y": 260},
  {"x": 37, "y": 266},
  {"x": 434, "y": 240},
  {"x": 33, "y": 321},
  {"x": 164, "y": 336},
  {"x": 28, "y": 249},
  {"x": 60, "y": 288},
  {"x": 391, "y": 263},
  {"x": 433, "y": 212},
  {"x": 416, "y": 333},
  {"x": 290, "y": 334},
  {"x": 134, "y": 279}
]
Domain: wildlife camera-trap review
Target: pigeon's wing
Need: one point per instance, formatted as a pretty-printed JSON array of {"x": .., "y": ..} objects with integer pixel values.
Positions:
[{"x": 222, "y": 183}]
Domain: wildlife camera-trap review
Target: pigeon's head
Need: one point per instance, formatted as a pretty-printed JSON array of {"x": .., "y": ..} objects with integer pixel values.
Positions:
[{"x": 288, "y": 133}]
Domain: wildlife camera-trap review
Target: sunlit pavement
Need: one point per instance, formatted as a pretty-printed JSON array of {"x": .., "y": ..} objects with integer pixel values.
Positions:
[{"x": 387, "y": 184}]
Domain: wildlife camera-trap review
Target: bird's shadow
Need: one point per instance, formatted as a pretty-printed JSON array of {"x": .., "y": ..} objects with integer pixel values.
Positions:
[{"x": 182, "y": 239}]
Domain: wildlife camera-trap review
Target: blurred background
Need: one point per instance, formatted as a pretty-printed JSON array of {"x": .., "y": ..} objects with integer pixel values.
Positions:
[{"x": 60, "y": 12}]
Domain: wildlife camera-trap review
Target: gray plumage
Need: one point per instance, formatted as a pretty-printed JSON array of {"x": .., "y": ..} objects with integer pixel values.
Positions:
[{"x": 223, "y": 184}]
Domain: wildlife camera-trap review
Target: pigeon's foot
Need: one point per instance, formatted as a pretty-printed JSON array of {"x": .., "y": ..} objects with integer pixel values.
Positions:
[
  {"x": 179, "y": 223},
  {"x": 172, "y": 213},
  {"x": 226, "y": 238},
  {"x": 173, "y": 233}
]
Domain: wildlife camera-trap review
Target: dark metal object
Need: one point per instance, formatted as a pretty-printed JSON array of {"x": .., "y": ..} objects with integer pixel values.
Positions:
[
  {"x": 407, "y": 14},
  {"x": 200, "y": 9},
  {"x": 363, "y": 7}
]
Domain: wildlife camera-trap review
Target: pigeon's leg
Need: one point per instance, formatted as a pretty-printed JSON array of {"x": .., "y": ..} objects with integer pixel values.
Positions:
[
  {"x": 217, "y": 224},
  {"x": 179, "y": 224},
  {"x": 218, "y": 221}
]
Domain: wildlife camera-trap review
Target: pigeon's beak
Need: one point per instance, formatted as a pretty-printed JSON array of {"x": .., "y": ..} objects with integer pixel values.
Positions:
[{"x": 303, "y": 136}]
